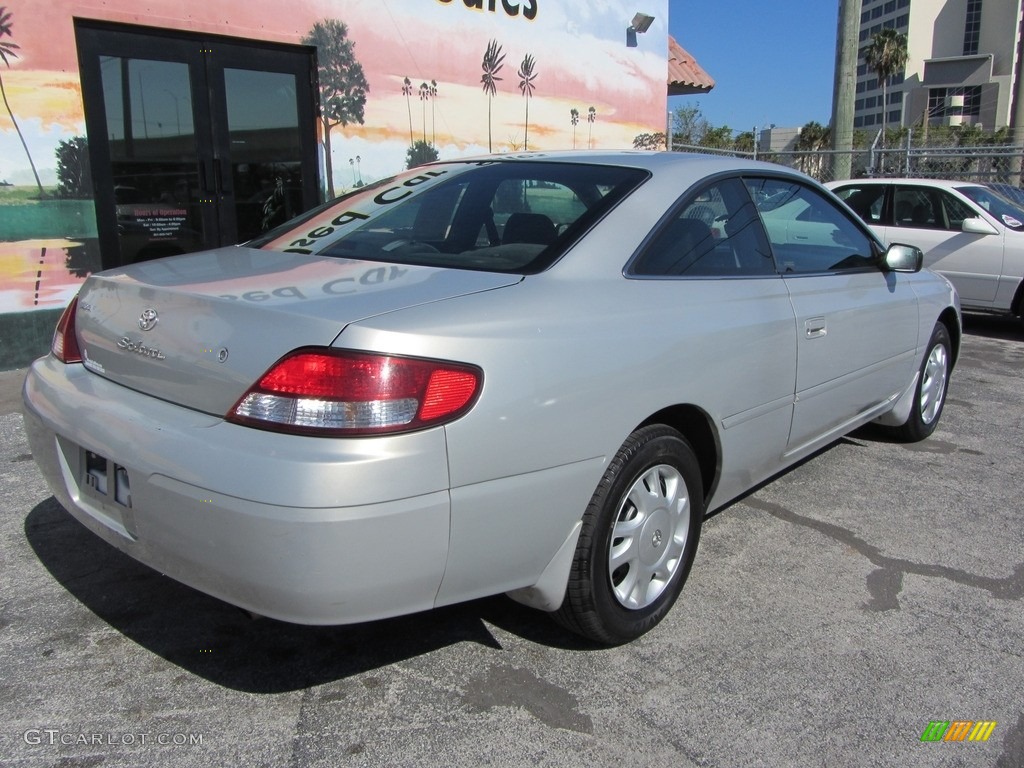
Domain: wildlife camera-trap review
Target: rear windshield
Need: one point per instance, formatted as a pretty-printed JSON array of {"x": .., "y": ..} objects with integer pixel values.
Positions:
[{"x": 498, "y": 216}]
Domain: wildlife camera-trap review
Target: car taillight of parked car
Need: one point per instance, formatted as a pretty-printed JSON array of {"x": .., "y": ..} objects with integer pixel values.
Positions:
[
  {"x": 319, "y": 391},
  {"x": 65, "y": 343}
]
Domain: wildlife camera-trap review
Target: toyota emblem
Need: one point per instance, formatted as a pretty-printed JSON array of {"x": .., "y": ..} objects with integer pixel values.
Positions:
[{"x": 148, "y": 319}]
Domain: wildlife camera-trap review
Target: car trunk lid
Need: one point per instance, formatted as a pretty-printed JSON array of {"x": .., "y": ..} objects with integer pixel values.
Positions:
[{"x": 198, "y": 330}]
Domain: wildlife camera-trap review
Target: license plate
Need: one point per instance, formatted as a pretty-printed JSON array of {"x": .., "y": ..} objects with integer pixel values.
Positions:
[{"x": 106, "y": 479}]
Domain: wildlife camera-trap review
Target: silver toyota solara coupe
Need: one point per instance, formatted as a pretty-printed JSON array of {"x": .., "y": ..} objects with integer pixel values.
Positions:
[{"x": 525, "y": 374}]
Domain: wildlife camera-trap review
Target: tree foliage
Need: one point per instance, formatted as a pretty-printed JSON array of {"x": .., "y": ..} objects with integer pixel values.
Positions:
[
  {"x": 74, "y": 174},
  {"x": 814, "y": 137},
  {"x": 688, "y": 125},
  {"x": 420, "y": 153},
  {"x": 887, "y": 53},
  {"x": 744, "y": 142},
  {"x": 649, "y": 141},
  {"x": 343, "y": 84},
  {"x": 886, "y": 56},
  {"x": 717, "y": 138}
]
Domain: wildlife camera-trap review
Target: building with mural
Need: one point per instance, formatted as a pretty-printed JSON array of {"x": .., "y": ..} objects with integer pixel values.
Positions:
[{"x": 134, "y": 130}]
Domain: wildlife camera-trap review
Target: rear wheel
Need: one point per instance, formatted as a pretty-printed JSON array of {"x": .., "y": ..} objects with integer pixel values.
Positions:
[
  {"x": 930, "y": 395},
  {"x": 638, "y": 539}
]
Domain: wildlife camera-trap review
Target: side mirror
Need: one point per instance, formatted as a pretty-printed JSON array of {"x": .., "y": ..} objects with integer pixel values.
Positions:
[
  {"x": 978, "y": 226},
  {"x": 903, "y": 258}
]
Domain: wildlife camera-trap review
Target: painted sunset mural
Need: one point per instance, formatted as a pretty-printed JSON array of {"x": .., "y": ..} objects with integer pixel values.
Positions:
[{"x": 402, "y": 82}]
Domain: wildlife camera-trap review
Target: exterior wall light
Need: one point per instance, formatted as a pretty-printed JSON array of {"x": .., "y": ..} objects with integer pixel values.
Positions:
[{"x": 640, "y": 24}]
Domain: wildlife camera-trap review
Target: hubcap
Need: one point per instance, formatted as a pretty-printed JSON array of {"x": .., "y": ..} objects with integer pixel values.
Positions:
[
  {"x": 649, "y": 536},
  {"x": 933, "y": 383}
]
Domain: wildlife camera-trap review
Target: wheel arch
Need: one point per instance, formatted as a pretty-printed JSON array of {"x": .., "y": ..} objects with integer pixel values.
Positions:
[
  {"x": 1017, "y": 305},
  {"x": 950, "y": 319},
  {"x": 698, "y": 428}
]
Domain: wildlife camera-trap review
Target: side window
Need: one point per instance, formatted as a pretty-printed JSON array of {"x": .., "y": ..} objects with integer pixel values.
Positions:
[
  {"x": 866, "y": 200},
  {"x": 954, "y": 211},
  {"x": 808, "y": 233},
  {"x": 918, "y": 207},
  {"x": 715, "y": 234}
]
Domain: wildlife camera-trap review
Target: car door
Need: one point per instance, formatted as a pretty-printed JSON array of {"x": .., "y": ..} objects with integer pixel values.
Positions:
[
  {"x": 932, "y": 219},
  {"x": 720, "y": 317},
  {"x": 856, "y": 326}
]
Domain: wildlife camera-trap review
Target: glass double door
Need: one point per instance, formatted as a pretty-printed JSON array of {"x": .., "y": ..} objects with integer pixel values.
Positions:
[{"x": 194, "y": 142}]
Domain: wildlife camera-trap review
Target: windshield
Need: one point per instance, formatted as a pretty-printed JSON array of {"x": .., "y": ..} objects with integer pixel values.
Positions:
[
  {"x": 997, "y": 206},
  {"x": 500, "y": 216}
]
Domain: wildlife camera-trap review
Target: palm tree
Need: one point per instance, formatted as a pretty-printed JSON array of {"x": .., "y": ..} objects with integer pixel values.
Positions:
[
  {"x": 424, "y": 98},
  {"x": 591, "y": 117},
  {"x": 491, "y": 65},
  {"x": 526, "y": 86},
  {"x": 8, "y": 49},
  {"x": 407, "y": 92},
  {"x": 886, "y": 55},
  {"x": 814, "y": 137},
  {"x": 574, "y": 117}
]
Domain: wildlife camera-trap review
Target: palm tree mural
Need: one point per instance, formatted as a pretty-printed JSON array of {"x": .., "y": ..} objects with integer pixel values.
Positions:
[
  {"x": 424, "y": 98},
  {"x": 8, "y": 49},
  {"x": 492, "y": 63},
  {"x": 407, "y": 92},
  {"x": 526, "y": 77},
  {"x": 574, "y": 118},
  {"x": 886, "y": 55},
  {"x": 591, "y": 117},
  {"x": 433, "y": 116},
  {"x": 343, "y": 84}
]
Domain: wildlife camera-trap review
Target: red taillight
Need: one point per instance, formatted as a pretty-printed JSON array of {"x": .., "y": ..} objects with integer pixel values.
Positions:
[
  {"x": 65, "y": 343},
  {"x": 329, "y": 392}
]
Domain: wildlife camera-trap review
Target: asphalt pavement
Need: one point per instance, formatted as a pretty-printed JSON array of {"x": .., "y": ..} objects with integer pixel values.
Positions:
[{"x": 832, "y": 616}]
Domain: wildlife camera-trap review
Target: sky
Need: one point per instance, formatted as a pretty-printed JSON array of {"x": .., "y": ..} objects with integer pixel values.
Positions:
[{"x": 772, "y": 62}]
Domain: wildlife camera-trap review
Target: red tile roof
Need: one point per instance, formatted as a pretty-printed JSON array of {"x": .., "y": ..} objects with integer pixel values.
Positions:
[{"x": 685, "y": 75}]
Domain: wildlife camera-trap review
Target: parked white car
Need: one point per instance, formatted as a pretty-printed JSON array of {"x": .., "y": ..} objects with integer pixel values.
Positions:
[{"x": 969, "y": 232}]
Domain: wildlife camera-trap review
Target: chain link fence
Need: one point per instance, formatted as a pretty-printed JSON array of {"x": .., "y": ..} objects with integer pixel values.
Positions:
[{"x": 1000, "y": 164}]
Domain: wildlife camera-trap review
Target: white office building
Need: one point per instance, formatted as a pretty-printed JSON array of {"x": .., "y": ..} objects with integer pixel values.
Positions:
[{"x": 962, "y": 65}]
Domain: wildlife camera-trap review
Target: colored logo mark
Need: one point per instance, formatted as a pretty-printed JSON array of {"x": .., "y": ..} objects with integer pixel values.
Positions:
[{"x": 958, "y": 730}]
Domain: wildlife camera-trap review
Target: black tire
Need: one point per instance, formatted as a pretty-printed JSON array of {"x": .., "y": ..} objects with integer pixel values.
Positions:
[
  {"x": 600, "y": 604},
  {"x": 930, "y": 394}
]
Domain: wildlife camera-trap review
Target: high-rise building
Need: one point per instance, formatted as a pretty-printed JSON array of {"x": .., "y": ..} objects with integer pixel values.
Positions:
[{"x": 961, "y": 67}]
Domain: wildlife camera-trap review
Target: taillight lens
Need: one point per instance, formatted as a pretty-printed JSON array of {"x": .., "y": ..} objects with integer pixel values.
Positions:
[
  {"x": 337, "y": 392},
  {"x": 65, "y": 343}
]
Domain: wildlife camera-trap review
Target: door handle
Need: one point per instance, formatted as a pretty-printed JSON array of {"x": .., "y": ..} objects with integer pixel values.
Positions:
[{"x": 816, "y": 328}]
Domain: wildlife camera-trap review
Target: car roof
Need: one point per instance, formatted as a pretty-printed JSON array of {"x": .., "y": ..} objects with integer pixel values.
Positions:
[
  {"x": 692, "y": 163},
  {"x": 942, "y": 183}
]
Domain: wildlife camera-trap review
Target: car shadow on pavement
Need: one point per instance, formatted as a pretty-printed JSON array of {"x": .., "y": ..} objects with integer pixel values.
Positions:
[
  {"x": 229, "y": 647},
  {"x": 994, "y": 326}
]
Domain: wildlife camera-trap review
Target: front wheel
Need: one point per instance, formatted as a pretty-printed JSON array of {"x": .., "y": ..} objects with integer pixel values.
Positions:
[
  {"x": 930, "y": 395},
  {"x": 638, "y": 539}
]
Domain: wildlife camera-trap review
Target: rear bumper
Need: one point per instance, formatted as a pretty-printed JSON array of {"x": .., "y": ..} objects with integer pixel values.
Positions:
[{"x": 308, "y": 530}]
